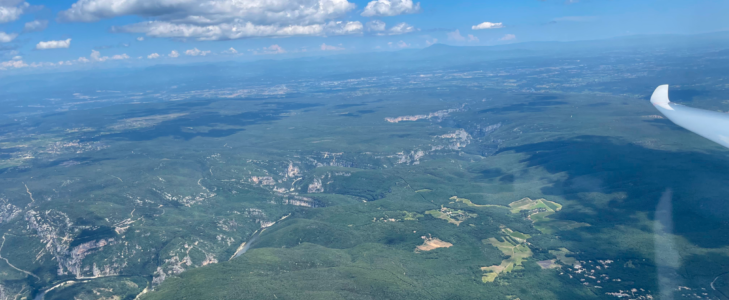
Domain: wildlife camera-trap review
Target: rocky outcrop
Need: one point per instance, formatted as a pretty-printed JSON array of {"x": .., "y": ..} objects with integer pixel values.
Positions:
[{"x": 315, "y": 186}]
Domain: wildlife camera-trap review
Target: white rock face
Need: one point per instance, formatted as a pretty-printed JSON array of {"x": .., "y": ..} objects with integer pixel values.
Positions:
[{"x": 316, "y": 187}]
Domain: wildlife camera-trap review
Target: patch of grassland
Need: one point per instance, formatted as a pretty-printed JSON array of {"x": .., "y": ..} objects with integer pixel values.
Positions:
[
  {"x": 411, "y": 216},
  {"x": 561, "y": 255},
  {"x": 513, "y": 246},
  {"x": 469, "y": 203},
  {"x": 539, "y": 210},
  {"x": 529, "y": 204},
  {"x": 451, "y": 215},
  {"x": 516, "y": 234}
]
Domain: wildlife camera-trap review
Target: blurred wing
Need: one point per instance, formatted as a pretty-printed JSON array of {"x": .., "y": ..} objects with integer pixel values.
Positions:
[{"x": 709, "y": 124}]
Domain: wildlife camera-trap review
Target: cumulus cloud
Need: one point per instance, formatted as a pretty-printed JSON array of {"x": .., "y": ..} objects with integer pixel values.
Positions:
[
  {"x": 230, "y": 51},
  {"x": 379, "y": 28},
  {"x": 325, "y": 47},
  {"x": 220, "y": 19},
  {"x": 487, "y": 25},
  {"x": 153, "y": 56},
  {"x": 174, "y": 54},
  {"x": 456, "y": 36},
  {"x": 12, "y": 64},
  {"x": 54, "y": 44},
  {"x": 196, "y": 52},
  {"x": 375, "y": 25},
  {"x": 389, "y": 8},
  {"x": 401, "y": 44},
  {"x": 508, "y": 37},
  {"x": 431, "y": 42},
  {"x": 273, "y": 49},
  {"x": 7, "y": 37},
  {"x": 96, "y": 57},
  {"x": 37, "y": 25},
  {"x": 120, "y": 56},
  {"x": 10, "y": 10},
  {"x": 401, "y": 28},
  {"x": 141, "y": 39}
]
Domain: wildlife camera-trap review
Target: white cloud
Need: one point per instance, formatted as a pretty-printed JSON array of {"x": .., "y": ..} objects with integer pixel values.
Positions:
[
  {"x": 196, "y": 52},
  {"x": 37, "y": 25},
  {"x": 273, "y": 49},
  {"x": 230, "y": 51},
  {"x": 220, "y": 19},
  {"x": 325, "y": 47},
  {"x": 375, "y": 25},
  {"x": 153, "y": 56},
  {"x": 378, "y": 27},
  {"x": 141, "y": 39},
  {"x": 508, "y": 37},
  {"x": 174, "y": 54},
  {"x": 12, "y": 64},
  {"x": 18, "y": 57},
  {"x": 120, "y": 56},
  {"x": 210, "y": 11},
  {"x": 487, "y": 25},
  {"x": 54, "y": 44},
  {"x": 237, "y": 30},
  {"x": 7, "y": 37},
  {"x": 42, "y": 64},
  {"x": 388, "y": 8},
  {"x": 10, "y": 10},
  {"x": 401, "y": 28},
  {"x": 400, "y": 44},
  {"x": 96, "y": 57},
  {"x": 456, "y": 36},
  {"x": 431, "y": 42}
]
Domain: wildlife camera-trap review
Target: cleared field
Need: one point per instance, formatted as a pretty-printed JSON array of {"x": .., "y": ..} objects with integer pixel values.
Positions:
[
  {"x": 515, "y": 248},
  {"x": 451, "y": 215}
]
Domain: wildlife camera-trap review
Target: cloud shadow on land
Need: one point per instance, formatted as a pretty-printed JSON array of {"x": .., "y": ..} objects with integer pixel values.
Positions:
[
  {"x": 178, "y": 128},
  {"x": 605, "y": 165},
  {"x": 529, "y": 107}
]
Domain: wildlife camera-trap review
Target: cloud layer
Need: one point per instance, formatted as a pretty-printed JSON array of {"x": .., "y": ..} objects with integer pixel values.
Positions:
[
  {"x": 389, "y": 8},
  {"x": 220, "y": 19}
]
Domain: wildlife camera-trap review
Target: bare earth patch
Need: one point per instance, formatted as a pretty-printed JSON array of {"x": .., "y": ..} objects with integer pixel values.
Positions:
[{"x": 431, "y": 243}]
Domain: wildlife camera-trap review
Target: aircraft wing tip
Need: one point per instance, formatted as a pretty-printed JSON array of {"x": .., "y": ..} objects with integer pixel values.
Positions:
[{"x": 660, "y": 97}]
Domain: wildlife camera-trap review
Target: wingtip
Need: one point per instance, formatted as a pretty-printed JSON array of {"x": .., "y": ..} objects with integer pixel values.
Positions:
[{"x": 660, "y": 97}]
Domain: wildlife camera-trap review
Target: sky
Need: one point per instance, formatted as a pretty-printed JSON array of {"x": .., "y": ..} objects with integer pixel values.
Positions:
[{"x": 85, "y": 34}]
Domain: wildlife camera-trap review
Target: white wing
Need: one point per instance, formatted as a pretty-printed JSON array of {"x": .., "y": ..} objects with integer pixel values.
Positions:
[{"x": 709, "y": 124}]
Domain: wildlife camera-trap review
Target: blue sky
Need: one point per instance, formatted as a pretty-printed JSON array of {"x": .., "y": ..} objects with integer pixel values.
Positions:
[{"x": 58, "y": 34}]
